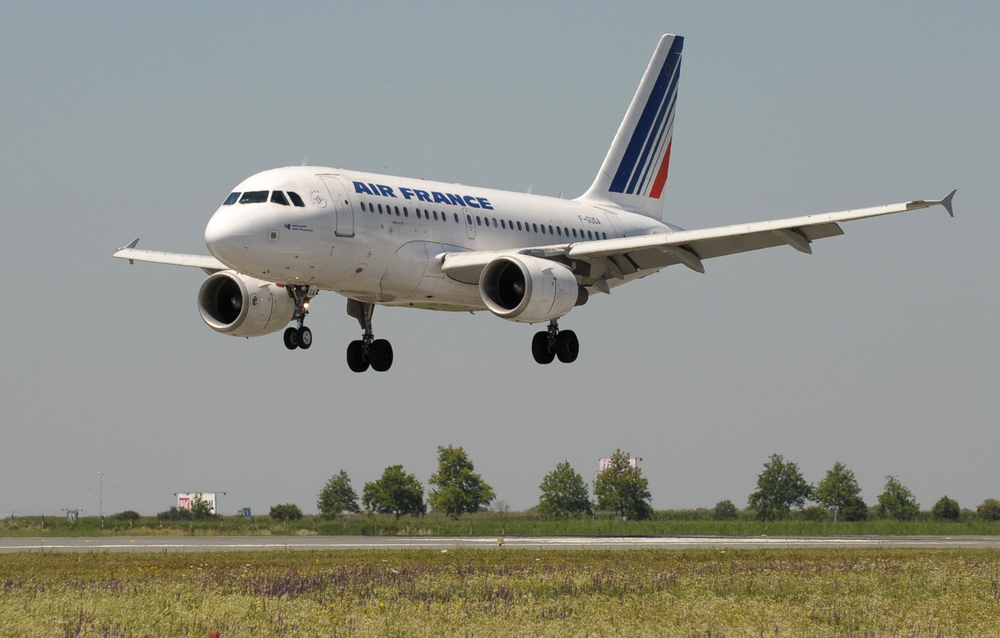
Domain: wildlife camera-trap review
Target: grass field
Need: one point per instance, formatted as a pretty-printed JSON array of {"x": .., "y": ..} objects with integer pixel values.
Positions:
[
  {"x": 664, "y": 523},
  {"x": 502, "y": 592}
]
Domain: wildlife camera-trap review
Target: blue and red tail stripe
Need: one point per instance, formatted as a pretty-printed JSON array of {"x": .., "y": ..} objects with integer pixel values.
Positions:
[{"x": 643, "y": 167}]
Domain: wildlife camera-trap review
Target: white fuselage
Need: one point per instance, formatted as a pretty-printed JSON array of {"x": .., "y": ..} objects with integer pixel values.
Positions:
[{"x": 377, "y": 238}]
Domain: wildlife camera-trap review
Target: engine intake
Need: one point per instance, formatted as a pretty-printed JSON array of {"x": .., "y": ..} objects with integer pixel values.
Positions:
[
  {"x": 242, "y": 306},
  {"x": 529, "y": 289}
]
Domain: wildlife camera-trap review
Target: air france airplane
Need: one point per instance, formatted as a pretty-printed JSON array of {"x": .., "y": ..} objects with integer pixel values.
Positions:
[{"x": 284, "y": 234}]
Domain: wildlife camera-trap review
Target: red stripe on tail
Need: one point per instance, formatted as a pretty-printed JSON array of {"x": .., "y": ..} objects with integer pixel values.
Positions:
[{"x": 661, "y": 175}]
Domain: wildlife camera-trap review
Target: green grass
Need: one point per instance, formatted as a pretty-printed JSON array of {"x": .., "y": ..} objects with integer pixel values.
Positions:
[
  {"x": 669, "y": 523},
  {"x": 502, "y": 592}
]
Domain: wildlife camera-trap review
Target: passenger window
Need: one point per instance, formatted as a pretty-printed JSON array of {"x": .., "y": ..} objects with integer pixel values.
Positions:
[
  {"x": 559, "y": 230},
  {"x": 605, "y": 235},
  {"x": 406, "y": 213},
  {"x": 535, "y": 226},
  {"x": 543, "y": 229},
  {"x": 380, "y": 208},
  {"x": 254, "y": 197},
  {"x": 435, "y": 215},
  {"x": 479, "y": 222},
  {"x": 456, "y": 218},
  {"x": 550, "y": 230},
  {"x": 363, "y": 207},
  {"x": 589, "y": 235},
  {"x": 418, "y": 213},
  {"x": 297, "y": 200},
  {"x": 233, "y": 197},
  {"x": 277, "y": 197},
  {"x": 503, "y": 225},
  {"x": 519, "y": 225},
  {"x": 574, "y": 232},
  {"x": 468, "y": 218},
  {"x": 510, "y": 224}
]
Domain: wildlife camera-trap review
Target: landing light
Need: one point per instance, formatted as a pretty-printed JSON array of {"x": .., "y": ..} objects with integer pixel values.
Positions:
[{"x": 305, "y": 305}]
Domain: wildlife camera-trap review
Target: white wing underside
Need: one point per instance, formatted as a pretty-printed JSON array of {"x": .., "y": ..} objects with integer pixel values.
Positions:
[
  {"x": 612, "y": 262},
  {"x": 206, "y": 262}
]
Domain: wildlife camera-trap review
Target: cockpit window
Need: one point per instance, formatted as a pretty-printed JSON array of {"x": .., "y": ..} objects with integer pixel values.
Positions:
[
  {"x": 296, "y": 199},
  {"x": 254, "y": 197},
  {"x": 231, "y": 199},
  {"x": 279, "y": 198}
]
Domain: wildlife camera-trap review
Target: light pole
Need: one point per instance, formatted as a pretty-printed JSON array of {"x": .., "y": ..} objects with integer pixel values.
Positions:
[{"x": 100, "y": 510}]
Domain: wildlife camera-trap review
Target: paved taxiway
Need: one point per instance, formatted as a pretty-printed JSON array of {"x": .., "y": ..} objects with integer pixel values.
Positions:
[{"x": 263, "y": 543}]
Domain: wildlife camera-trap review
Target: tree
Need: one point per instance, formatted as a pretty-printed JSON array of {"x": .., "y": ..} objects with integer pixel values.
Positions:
[
  {"x": 459, "y": 489},
  {"x": 989, "y": 510},
  {"x": 395, "y": 493},
  {"x": 946, "y": 509},
  {"x": 623, "y": 489},
  {"x": 896, "y": 501},
  {"x": 725, "y": 511},
  {"x": 286, "y": 512},
  {"x": 201, "y": 510},
  {"x": 564, "y": 493},
  {"x": 127, "y": 515},
  {"x": 839, "y": 490},
  {"x": 338, "y": 496},
  {"x": 779, "y": 488}
]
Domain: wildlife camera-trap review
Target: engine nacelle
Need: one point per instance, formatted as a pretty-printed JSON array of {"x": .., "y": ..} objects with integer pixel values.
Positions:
[
  {"x": 529, "y": 289},
  {"x": 242, "y": 306}
]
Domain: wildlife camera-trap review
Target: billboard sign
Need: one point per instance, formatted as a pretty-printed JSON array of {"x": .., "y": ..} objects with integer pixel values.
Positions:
[{"x": 185, "y": 500}]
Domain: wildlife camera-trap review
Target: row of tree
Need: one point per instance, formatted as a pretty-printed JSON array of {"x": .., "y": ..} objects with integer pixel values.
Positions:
[
  {"x": 621, "y": 488},
  {"x": 458, "y": 489},
  {"x": 781, "y": 487}
]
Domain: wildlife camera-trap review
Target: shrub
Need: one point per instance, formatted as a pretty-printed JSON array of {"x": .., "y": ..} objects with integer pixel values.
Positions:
[
  {"x": 989, "y": 510},
  {"x": 174, "y": 514},
  {"x": 724, "y": 511},
  {"x": 854, "y": 510},
  {"x": 813, "y": 513},
  {"x": 946, "y": 509},
  {"x": 286, "y": 512},
  {"x": 127, "y": 515}
]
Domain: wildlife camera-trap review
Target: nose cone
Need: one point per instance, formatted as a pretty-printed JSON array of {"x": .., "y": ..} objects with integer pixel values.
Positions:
[{"x": 228, "y": 236}]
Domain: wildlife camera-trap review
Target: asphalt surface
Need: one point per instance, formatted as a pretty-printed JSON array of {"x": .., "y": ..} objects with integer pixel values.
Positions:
[{"x": 265, "y": 543}]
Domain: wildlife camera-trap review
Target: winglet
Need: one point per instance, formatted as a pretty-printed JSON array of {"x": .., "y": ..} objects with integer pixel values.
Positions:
[
  {"x": 946, "y": 202},
  {"x": 131, "y": 244}
]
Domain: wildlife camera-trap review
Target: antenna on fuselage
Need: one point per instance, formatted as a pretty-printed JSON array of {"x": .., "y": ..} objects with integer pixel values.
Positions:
[{"x": 305, "y": 159}]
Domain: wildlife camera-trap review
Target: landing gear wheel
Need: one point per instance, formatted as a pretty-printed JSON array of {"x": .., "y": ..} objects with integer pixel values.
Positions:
[
  {"x": 567, "y": 346},
  {"x": 291, "y": 338},
  {"x": 380, "y": 355},
  {"x": 306, "y": 338},
  {"x": 540, "y": 348},
  {"x": 356, "y": 360}
]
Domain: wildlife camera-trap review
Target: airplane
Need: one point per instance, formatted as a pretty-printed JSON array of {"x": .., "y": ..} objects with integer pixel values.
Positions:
[{"x": 285, "y": 234}]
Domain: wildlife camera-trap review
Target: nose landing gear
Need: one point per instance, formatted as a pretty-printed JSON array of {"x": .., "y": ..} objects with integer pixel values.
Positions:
[
  {"x": 300, "y": 336},
  {"x": 552, "y": 343},
  {"x": 367, "y": 351}
]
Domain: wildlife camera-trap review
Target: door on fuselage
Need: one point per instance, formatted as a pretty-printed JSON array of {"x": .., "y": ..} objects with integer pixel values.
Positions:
[
  {"x": 341, "y": 204},
  {"x": 470, "y": 226}
]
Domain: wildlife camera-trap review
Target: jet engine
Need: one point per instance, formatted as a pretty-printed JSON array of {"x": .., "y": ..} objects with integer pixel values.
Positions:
[
  {"x": 529, "y": 289},
  {"x": 242, "y": 306}
]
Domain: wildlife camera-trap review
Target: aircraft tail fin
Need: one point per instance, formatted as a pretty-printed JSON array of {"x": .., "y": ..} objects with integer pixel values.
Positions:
[{"x": 635, "y": 169}]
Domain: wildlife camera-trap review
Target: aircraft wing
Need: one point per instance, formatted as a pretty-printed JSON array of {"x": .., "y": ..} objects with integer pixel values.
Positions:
[
  {"x": 627, "y": 257},
  {"x": 206, "y": 262}
]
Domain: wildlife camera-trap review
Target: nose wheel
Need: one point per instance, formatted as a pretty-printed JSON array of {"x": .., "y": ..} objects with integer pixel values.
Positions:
[
  {"x": 299, "y": 336},
  {"x": 549, "y": 344},
  {"x": 367, "y": 351}
]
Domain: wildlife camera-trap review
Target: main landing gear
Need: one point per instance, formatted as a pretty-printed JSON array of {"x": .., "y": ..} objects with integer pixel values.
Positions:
[
  {"x": 300, "y": 336},
  {"x": 367, "y": 351},
  {"x": 552, "y": 343}
]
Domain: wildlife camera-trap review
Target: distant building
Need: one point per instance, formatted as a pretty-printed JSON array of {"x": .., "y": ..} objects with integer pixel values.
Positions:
[{"x": 606, "y": 463}]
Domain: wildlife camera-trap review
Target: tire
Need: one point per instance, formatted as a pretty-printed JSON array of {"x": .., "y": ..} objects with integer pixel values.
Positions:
[
  {"x": 380, "y": 355},
  {"x": 567, "y": 346},
  {"x": 305, "y": 338},
  {"x": 540, "y": 348},
  {"x": 291, "y": 338},
  {"x": 356, "y": 356}
]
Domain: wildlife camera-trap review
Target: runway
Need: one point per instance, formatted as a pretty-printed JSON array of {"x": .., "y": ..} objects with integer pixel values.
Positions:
[{"x": 319, "y": 543}]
